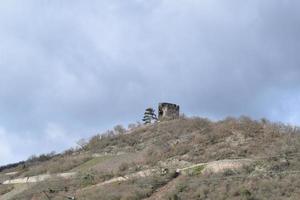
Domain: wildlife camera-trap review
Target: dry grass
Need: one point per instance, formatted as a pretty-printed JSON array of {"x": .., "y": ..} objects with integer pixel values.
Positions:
[
  {"x": 56, "y": 165},
  {"x": 226, "y": 187},
  {"x": 5, "y": 189},
  {"x": 274, "y": 146},
  {"x": 131, "y": 190}
]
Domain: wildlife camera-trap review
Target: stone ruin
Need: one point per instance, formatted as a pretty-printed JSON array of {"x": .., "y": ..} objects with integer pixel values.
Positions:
[{"x": 168, "y": 111}]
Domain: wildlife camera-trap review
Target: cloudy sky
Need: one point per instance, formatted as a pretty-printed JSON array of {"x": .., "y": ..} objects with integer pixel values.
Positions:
[{"x": 73, "y": 68}]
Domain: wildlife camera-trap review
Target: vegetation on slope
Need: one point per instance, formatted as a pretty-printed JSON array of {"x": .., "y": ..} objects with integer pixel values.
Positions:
[{"x": 275, "y": 147}]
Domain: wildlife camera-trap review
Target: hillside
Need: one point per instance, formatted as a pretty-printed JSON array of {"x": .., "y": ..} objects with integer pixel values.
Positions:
[{"x": 186, "y": 158}]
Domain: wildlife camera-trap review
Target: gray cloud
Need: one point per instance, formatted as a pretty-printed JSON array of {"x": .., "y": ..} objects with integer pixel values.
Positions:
[{"x": 71, "y": 69}]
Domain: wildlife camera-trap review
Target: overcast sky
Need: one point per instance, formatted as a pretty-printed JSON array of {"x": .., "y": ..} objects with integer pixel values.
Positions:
[{"x": 70, "y": 69}]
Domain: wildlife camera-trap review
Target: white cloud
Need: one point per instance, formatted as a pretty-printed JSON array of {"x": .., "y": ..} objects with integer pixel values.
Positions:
[
  {"x": 17, "y": 146},
  {"x": 87, "y": 65},
  {"x": 57, "y": 135},
  {"x": 55, "y": 132}
]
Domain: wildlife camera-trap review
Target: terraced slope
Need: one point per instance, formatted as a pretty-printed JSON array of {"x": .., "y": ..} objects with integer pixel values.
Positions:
[{"x": 239, "y": 159}]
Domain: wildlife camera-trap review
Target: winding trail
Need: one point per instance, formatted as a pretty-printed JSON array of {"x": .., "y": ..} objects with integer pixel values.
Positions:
[
  {"x": 210, "y": 167},
  {"x": 23, "y": 184},
  {"x": 39, "y": 178}
]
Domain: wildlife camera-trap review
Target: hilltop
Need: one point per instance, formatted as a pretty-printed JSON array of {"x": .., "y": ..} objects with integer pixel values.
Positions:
[{"x": 185, "y": 158}]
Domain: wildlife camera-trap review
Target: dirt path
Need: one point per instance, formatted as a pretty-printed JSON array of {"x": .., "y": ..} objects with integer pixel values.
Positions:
[
  {"x": 211, "y": 167},
  {"x": 217, "y": 166},
  {"x": 39, "y": 178},
  {"x": 140, "y": 174}
]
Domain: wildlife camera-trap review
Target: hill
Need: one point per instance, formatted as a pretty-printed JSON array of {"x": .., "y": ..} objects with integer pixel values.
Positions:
[{"x": 186, "y": 158}]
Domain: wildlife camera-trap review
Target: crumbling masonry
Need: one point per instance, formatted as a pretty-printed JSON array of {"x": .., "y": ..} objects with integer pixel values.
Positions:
[{"x": 168, "y": 111}]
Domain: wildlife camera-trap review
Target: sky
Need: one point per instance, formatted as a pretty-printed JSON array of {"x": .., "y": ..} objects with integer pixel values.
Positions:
[{"x": 74, "y": 68}]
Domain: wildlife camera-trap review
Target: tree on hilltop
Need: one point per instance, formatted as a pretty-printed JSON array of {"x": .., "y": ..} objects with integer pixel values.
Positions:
[{"x": 149, "y": 116}]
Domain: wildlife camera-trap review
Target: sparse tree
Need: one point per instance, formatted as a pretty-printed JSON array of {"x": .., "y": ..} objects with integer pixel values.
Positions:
[{"x": 149, "y": 116}]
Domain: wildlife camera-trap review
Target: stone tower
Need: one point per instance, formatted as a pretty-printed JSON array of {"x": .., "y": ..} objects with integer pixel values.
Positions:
[{"x": 168, "y": 111}]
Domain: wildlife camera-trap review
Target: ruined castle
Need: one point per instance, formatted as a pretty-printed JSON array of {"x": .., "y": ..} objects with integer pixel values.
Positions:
[{"x": 168, "y": 111}]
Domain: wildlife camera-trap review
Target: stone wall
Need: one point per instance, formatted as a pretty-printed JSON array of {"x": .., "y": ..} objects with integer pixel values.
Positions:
[{"x": 168, "y": 111}]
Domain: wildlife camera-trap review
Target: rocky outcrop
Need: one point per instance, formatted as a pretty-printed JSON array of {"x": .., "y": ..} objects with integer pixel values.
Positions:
[{"x": 167, "y": 111}]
